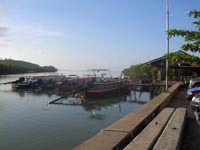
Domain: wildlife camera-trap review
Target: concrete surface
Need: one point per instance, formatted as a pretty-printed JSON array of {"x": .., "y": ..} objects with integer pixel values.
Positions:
[
  {"x": 148, "y": 137},
  {"x": 172, "y": 134}
]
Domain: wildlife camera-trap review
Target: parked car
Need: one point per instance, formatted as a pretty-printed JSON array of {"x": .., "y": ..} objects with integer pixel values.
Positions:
[
  {"x": 194, "y": 82},
  {"x": 195, "y": 102},
  {"x": 191, "y": 92}
]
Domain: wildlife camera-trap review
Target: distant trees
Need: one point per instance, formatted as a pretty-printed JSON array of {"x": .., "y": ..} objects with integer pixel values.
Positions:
[
  {"x": 48, "y": 69},
  {"x": 139, "y": 71},
  {"x": 9, "y": 66},
  {"x": 192, "y": 41}
]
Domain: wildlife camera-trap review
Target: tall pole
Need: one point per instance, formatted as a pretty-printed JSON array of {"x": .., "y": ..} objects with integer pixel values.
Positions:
[{"x": 167, "y": 41}]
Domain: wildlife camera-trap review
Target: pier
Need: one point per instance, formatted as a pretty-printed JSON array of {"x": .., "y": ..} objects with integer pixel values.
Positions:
[
  {"x": 177, "y": 123},
  {"x": 153, "y": 88}
]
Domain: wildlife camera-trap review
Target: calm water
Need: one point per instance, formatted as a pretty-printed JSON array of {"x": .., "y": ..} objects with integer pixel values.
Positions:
[{"x": 28, "y": 122}]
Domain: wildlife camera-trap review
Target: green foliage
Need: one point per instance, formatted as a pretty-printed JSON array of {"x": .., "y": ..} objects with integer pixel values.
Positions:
[
  {"x": 48, "y": 69},
  {"x": 18, "y": 63},
  {"x": 182, "y": 58},
  {"x": 9, "y": 66},
  {"x": 192, "y": 37},
  {"x": 139, "y": 71}
]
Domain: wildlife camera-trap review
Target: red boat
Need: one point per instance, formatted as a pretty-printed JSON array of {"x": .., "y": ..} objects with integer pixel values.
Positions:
[{"x": 102, "y": 86}]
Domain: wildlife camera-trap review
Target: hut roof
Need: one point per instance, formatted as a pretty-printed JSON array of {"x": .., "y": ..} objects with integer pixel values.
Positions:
[{"x": 161, "y": 59}]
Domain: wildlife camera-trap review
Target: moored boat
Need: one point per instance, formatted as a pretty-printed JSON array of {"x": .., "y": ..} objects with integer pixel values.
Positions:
[
  {"x": 104, "y": 86},
  {"x": 36, "y": 81}
]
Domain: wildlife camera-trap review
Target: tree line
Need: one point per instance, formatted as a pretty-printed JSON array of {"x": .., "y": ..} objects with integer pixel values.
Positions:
[
  {"x": 139, "y": 71},
  {"x": 9, "y": 66}
]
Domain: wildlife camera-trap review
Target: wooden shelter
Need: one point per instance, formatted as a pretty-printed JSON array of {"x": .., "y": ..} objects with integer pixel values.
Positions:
[{"x": 176, "y": 71}]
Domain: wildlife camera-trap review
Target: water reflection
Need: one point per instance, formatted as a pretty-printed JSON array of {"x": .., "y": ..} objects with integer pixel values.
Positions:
[
  {"x": 28, "y": 121},
  {"x": 95, "y": 107},
  {"x": 23, "y": 93},
  {"x": 88, "y": 103},
  {"x": 97, "y": 116}
]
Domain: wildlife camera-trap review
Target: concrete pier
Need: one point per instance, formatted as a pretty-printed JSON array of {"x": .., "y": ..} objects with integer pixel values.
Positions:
[{"x": 122, "y": 132}]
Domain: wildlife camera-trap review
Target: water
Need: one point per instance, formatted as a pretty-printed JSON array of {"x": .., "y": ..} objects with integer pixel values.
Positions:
[{"x": 28, "y": 122}]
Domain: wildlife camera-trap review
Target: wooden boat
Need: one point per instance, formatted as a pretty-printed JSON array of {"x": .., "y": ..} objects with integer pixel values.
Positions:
[
  {"x": 36, "y": 81},
  {"x": 104, "y": 86},
  {"x": 59, "y": 83},
  {"x": 91, "y": 86}
]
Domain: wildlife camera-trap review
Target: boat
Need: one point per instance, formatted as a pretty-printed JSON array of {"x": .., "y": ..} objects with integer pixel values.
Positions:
[
  {"x": 104, "y": 86},
  {"x": 58, "y": 83},
  {"x": 37, "y": 81},
  {"x": 98, "y": 84}
]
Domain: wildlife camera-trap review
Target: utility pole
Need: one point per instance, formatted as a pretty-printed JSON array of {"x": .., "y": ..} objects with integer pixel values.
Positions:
[{"x": 167, "y": 41}]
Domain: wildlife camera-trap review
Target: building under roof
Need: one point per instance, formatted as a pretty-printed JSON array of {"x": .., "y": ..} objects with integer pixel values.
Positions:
[{"x": 176, "y": 71}]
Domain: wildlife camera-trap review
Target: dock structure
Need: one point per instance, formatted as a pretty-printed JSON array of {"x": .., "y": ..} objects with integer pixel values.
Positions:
[
  {"x": 118, "y": 135},
  {"x": 153, "y": 88},
  {"x": 57, "y": 99},
  {"x": 75, "y": 91},
  {"x": 166, "y": 122}
]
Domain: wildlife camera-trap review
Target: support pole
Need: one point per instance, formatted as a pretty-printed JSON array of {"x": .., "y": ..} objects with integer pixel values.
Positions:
[{"x": 167, "y": 41}]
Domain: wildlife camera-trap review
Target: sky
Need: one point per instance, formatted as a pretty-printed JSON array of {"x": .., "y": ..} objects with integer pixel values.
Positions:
[{"x": 85, "y": 34}]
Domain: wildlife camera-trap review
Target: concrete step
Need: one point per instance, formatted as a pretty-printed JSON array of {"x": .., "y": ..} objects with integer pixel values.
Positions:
[
  {"x": 171, "y": 137},
  {"x": 148, "y": 137}
]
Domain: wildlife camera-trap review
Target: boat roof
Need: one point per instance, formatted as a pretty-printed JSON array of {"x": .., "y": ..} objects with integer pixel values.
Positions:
[
  {"x": 72, "y": 75},
  {"x": 98, "y": 70}
]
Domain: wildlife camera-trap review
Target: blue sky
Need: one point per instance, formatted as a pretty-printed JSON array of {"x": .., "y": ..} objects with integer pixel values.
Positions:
[{"x": 84, "y": 34}]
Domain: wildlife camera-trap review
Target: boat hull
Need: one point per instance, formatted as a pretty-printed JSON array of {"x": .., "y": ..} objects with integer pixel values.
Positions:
[{"x": 105, "y": 92}]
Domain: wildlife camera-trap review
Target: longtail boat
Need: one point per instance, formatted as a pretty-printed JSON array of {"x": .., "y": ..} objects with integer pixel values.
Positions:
[{"x": 103, "y": 86}]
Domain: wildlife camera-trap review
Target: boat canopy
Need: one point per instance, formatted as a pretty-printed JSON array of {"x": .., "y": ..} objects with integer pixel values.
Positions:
[{"x": 98, "y": 70}]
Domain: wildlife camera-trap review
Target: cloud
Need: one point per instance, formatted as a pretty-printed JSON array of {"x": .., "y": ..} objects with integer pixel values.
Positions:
[
  {"x": 41, "y": 52},
  {"x": 28, "y": 29},
  {"x": 1, "y": 9},
  {"x": 35, "y": 30},
  {"x": 5, "y": 41},
  {"x": 3, "y": 31},
  {"x": 20, "y": 34}
]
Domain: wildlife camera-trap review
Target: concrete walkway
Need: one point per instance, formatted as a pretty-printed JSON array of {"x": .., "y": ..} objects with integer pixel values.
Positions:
[{"x": 191, "y": 135}]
